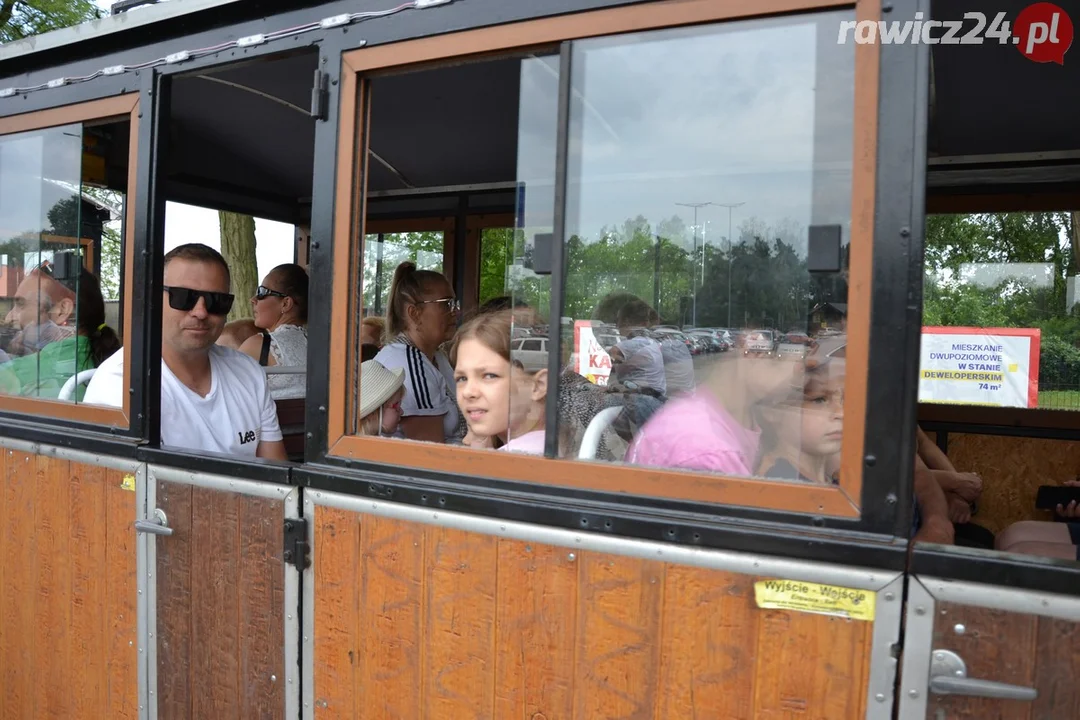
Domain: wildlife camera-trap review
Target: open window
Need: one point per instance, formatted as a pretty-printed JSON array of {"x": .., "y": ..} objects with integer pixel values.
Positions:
[
  {"x": 677, "y": 265},
  {"x": 66, "y": 186}
]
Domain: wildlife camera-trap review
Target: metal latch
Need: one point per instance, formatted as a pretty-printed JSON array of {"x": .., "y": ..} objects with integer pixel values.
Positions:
[
  {"x": 320, "y": 95},
  {"x": 297, "y": 551},
  {"x": 948, "y": 676},
  {"x": 159, "y": 525}
]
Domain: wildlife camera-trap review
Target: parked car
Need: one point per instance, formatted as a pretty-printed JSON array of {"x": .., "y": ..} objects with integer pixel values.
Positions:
[
  {"x": 760, "y": 342},
  {"x": 791, "y": 350},
  {"x": 531, "y": 352}
]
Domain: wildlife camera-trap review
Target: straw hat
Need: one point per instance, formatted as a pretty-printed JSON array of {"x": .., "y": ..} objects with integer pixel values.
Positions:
[{"x": 377, "y": 385}]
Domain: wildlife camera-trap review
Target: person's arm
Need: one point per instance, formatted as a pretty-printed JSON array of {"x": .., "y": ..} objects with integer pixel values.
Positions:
[
  {"x": 936, "y": 526},
  {"x": 426, "y": 428},
  {"x": 931, "y": 453},
  {"x": 272, "y": 450}
]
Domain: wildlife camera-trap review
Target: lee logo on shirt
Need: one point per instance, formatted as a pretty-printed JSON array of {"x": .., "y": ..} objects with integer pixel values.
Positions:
[{"x": 246, "y": 437}]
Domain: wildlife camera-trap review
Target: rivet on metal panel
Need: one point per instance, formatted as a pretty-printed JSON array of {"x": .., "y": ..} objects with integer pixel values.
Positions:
[
  {"x": 913, "y": 693},
  {"x": 140, "y": 651},
  {"x": 880, "y": 697},
  {"x": 273, "y": 678},
  {"x": 890, "y": 597},
  {"x": 571, "y": 557},
  {"x": 290, "y": 617},
  {"x": 435, "y": 516},
  {"x": 528, "y": 548},
  {"x": 318, "y": 495},
  {"x": 305, "y": 638},
  {"x": 140, "y": 592},
  {"x": 959, "y": 629},
  {"x": 151, "y": 634},
  {"x": 131, "y": 643},
  {"x": 920, "y": 611},
  {"x": 939, "y": 656},
  {"x": 151, "y": 692},
  {"x": 503, "y": 528}
]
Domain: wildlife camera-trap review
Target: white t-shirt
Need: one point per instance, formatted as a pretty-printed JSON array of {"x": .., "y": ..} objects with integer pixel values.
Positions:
[
  {"x": 429, "y": 389},
  {"x": 235, "y": 416}
]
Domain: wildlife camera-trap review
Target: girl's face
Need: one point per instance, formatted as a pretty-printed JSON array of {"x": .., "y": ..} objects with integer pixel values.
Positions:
[
  {"x": 822, "y": 416},
  {"x": 391, "y": 411},
  {"x": 494, "y": 395}
]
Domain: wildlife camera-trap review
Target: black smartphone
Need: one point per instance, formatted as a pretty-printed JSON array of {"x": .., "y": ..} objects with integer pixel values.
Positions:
[{"x": 1050, "y": 496}]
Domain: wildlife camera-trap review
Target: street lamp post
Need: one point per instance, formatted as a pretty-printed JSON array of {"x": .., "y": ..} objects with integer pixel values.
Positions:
[
  {"x": 693, "y": 292},
  {"x": 730, "y": 207}
]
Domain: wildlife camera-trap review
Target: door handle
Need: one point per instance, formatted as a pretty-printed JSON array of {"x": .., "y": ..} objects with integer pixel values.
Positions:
[
  {"x": 159, "y": 525},
  {"x": 948, "y": 676}
]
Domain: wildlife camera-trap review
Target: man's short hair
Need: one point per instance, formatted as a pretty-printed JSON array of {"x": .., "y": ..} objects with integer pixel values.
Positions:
[{"x": 197, "y": 252}]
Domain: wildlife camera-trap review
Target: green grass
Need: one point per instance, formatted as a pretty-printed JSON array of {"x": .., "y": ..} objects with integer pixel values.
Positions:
[{"x": 1060, "y": 399}]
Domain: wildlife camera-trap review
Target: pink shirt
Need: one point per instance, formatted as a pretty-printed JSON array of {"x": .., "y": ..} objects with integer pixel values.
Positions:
[
  {"x": 531, "y": 443},
  {"x": 695, "y": 433}
]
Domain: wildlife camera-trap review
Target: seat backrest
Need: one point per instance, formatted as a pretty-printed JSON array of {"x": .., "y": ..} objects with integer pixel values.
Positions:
[
  {"x": 600, "y": 422},
  {"x": 67, "y": 392}
]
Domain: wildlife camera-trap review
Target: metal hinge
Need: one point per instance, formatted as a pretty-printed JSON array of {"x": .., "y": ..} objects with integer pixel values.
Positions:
[
  {"x": 297, "y": 551},
  {"x": 320, "y": 95}
]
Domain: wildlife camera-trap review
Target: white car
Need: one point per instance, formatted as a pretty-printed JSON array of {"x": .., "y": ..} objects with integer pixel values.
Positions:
[
  {"x": 531, "y": 352},
  {"x": 760, "y": 342}
]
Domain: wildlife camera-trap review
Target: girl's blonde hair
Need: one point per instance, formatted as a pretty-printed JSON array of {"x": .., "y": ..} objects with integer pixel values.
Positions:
[
  {"x": 490, "y": 328},
  {"x": 407, "y": 288}
]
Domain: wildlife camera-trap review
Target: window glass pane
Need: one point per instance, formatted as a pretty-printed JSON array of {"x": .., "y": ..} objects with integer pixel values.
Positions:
[
  {"x": 60, "y": 226},
  {"x": 707, "y": 230},
  {"x": 462, "y": 380},
  {"x": 1001, "y": 311},
  {"x": 385, "y": 251}
]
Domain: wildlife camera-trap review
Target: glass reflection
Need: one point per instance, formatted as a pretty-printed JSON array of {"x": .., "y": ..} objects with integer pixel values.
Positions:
[{"x": 707, "y": 230}]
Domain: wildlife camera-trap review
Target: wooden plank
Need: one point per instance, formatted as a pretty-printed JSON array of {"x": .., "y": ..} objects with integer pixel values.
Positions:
[
  {"x": 391, "y": 619},
  {"x": 336, "y": 565},
  {"x": 996, "y": 645},
  {"x": 618, "y": 645},
  {"x": 261, "y": 595},
  {"x": 87, "y": 691},
  {"x": 215, "y": 563},
  {"x": 16, "y": 644},
  {"x": 52, "y": 593},
  {"x": 709, "y": 644},
  {"x": 459, "y": 624},
  {"x": 537, "y": 603},
  {"x": 811, "y": 664},
  {"x": 174, "y": 603},
  {"x": 1057, "y": 666},
  {"x": 121, "y": 598}
]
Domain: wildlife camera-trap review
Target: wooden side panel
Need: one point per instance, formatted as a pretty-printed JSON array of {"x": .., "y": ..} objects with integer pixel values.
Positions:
[
  {"x": 390, "y": 579},
  {"x": 424, "y": 621},
  {"x": 261, "y": 597},
  {"x": 174, "y": 603},
  {"x": 459, "y": 619},
  {"x": 1012, "y": 470},
  {"x": 535, "y": 615},
  {"x": 121, "y": 599},
  {"x": 1027, "y": 650},
  {"x": 337, "y": 642},
  {"x": 220, "y": 587},
  {"x": 68, "y": 621}
]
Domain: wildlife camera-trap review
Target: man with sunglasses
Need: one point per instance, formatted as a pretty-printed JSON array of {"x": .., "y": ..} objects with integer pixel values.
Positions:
[{"x": 213, "y": 398}]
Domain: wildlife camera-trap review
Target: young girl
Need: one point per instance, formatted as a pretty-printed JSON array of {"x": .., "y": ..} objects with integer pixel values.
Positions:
[
  {"x": 381, "y": 392},
  {"x": 801, "y": 431},
  {"x": 502, "y": 402}
]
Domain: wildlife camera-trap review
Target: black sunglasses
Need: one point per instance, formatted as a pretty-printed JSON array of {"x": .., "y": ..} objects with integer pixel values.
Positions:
[
  {"x": 263, "y": 292},
  {"x": 185, "y": 299}
]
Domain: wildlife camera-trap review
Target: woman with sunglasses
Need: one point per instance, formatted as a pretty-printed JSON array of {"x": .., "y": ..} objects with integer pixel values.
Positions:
[
  {"x": 422, "y": 315},
  {"x": 279, "y": 307}
]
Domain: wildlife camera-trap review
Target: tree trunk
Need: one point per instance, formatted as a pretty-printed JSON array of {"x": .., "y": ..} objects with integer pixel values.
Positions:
[
  {"x": 238, "y": 247},
  {"x": 1074, "y": 238}
]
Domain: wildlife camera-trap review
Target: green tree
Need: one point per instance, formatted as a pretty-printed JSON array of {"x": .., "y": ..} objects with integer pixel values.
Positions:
[{"x": 21, "y": 19}]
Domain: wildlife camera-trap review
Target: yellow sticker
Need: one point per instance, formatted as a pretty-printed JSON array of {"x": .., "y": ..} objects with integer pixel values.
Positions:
[
  {"x": 815, "y": 598},
  {"x": 1014, "y": 367},
  {"x": 129, "y": 483}
]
